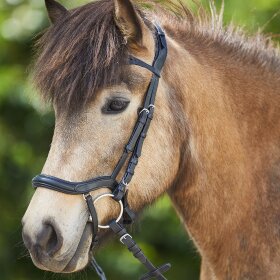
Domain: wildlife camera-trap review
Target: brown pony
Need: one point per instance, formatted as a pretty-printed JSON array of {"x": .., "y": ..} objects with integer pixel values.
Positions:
[{"x": 213, "y": 146}]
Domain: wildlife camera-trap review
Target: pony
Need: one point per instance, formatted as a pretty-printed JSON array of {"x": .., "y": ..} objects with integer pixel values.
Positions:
[{"x": 213, "y": 145}]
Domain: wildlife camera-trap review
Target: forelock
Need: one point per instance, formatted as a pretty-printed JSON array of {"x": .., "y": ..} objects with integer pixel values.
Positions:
[{"x": 80, "y": 54}]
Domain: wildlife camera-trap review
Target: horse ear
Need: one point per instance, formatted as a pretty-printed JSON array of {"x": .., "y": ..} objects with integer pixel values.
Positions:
[
  {"x": 55, "y": 10},
  {"x": 130, "y": 23}
]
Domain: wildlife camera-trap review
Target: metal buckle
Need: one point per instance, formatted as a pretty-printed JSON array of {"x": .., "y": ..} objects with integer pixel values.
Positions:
[
  {"x": 124, "y": 183},
  {"x": 85, "y": 196},
  {"x": 144, "y": 110},
  {"x": 120, "y": 202},
  {"x": 152, "y": 106},
  {"x": 124, "y": 237}
]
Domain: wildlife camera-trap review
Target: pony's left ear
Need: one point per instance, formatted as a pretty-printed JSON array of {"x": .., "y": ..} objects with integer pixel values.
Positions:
[
  {"x": 131, "y": 24},
  {"x": 55, "y": 10}
]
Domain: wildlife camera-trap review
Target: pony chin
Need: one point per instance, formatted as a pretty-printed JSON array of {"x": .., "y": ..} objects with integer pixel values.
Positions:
[{"x": 82, "y": 255}]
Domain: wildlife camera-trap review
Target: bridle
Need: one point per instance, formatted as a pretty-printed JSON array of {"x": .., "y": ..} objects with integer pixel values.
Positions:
[
  {"x": 132, "y": 153},
  {"x": 119, "y": 189}
]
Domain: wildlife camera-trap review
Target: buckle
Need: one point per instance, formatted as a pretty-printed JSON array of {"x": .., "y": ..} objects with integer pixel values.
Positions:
[
  {"x": 124, "y": 237},
  {"x": 144, "y": 110},
  {"x": 85, "y": 196},
  {"x": 124, "y": 183}
]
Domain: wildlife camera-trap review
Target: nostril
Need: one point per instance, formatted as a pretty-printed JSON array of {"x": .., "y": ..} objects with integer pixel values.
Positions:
[
  {"x": 46, "y": 242},
  {"x": 49, "y": 239},
  {"x": 53, "y": 241}
]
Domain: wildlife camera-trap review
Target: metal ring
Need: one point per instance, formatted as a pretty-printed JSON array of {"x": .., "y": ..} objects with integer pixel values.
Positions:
[
  {"x": 144, "y": 110},
  {"x": 152, "y": 106},
  {"x": 120, "y": 202}
]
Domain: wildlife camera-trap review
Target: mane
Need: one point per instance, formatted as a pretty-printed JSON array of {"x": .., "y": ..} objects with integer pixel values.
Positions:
[
  {"x": 86, "y": 51},
  {"x": 207, "y": 29}
]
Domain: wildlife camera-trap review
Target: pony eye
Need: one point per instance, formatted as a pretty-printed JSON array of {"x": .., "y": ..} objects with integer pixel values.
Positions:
[{"x": 116, "y": 105}]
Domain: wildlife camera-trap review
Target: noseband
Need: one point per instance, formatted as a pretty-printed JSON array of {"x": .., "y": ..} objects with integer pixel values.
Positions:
[{"x": 131, "y": 153}]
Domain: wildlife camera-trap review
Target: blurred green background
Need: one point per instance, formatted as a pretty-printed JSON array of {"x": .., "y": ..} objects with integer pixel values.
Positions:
[{"x": 25, "y": 135}]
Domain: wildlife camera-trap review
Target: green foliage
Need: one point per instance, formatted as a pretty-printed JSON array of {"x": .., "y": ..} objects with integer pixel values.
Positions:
[{"x": 25, "y": 136}]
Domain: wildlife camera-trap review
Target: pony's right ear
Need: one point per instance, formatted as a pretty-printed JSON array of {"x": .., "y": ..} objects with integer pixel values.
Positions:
[
  {"x": 131, "y": 25},
  {"x": 55, "y": 10}
]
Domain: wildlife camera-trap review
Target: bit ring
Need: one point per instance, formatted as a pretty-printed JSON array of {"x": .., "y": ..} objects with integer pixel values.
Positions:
[{"x": 121, "y": 205}]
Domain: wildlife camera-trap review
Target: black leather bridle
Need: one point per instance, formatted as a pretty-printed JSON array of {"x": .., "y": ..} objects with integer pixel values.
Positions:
[{"x": 132, "y": 153}]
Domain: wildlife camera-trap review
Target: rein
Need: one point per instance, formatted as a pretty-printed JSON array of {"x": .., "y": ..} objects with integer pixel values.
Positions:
[{"x": 132, "y": 153}]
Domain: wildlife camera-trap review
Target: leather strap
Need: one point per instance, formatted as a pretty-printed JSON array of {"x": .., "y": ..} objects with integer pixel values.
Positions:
[
  {"x": 138, "y": 136},
  {"x": 94, "y": 218},
  {"x": 135, "y": 61},
  {"x": 126, "y": 239},
  {"x": 98, "y": 269},
  {"x": 57, "y": 184}
]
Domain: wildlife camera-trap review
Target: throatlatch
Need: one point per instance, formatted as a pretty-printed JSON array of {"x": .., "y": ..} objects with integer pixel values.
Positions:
[{"x": 132, "y": 153}]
